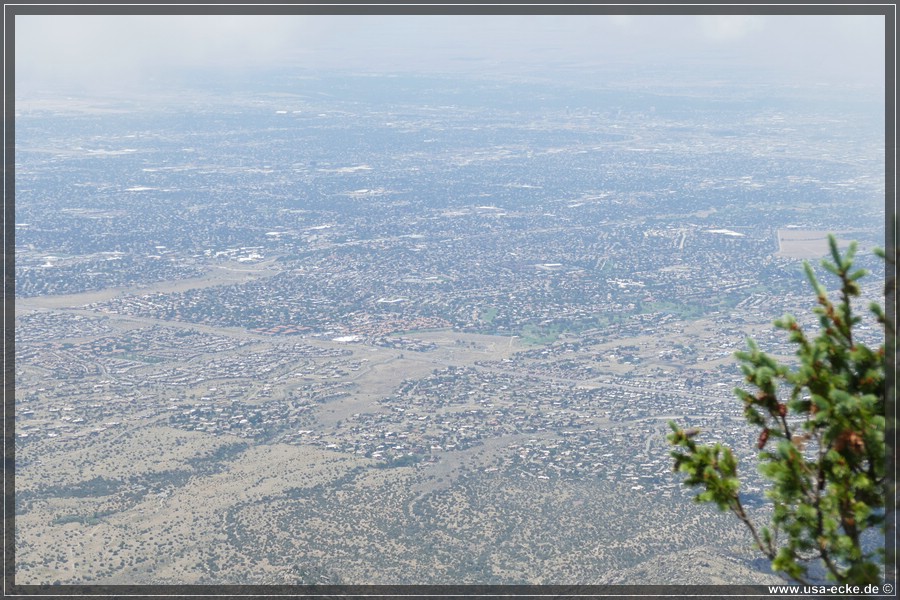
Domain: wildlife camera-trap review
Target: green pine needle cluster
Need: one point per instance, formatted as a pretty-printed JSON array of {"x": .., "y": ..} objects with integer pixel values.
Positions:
[{"x": 821, "y": 443}]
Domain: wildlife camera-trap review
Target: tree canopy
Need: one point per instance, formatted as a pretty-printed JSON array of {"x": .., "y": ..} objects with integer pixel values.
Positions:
[{"x": 821, "y": 443}]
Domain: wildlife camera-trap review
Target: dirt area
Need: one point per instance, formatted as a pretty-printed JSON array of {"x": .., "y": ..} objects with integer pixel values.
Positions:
[
  {"x": 385, "y": 369},
  {"x": 805, "y": 243},
  {"x": 225, "y": 274}
]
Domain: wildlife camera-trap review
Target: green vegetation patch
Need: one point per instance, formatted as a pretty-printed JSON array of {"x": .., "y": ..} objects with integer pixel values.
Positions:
[
  {"x": 690, "y": 310},
  {"x": 538, "y": 335},
  {"x": 488, "y": 314},
  {"x": 685, "y": 311},
  {"x": 140, "y": 358}
]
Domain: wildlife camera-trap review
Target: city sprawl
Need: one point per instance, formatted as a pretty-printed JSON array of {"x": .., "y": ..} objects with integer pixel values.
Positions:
[{"x": 395, "y": 329}]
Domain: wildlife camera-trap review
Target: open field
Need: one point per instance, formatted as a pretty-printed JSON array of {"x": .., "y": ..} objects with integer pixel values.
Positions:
[{"x": 805, "y": 243}]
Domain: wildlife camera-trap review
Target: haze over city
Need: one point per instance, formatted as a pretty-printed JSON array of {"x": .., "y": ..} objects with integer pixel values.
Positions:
[
  {"x": 106, "y": 50},
  {"x": 409, "y": 299}
]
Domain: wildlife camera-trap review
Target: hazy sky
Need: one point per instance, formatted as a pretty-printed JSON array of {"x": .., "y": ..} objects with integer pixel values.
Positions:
[{"x": 103, "y": 51}]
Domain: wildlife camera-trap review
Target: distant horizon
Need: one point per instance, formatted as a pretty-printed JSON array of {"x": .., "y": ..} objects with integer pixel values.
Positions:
[{"x": 143, "y": 53}]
